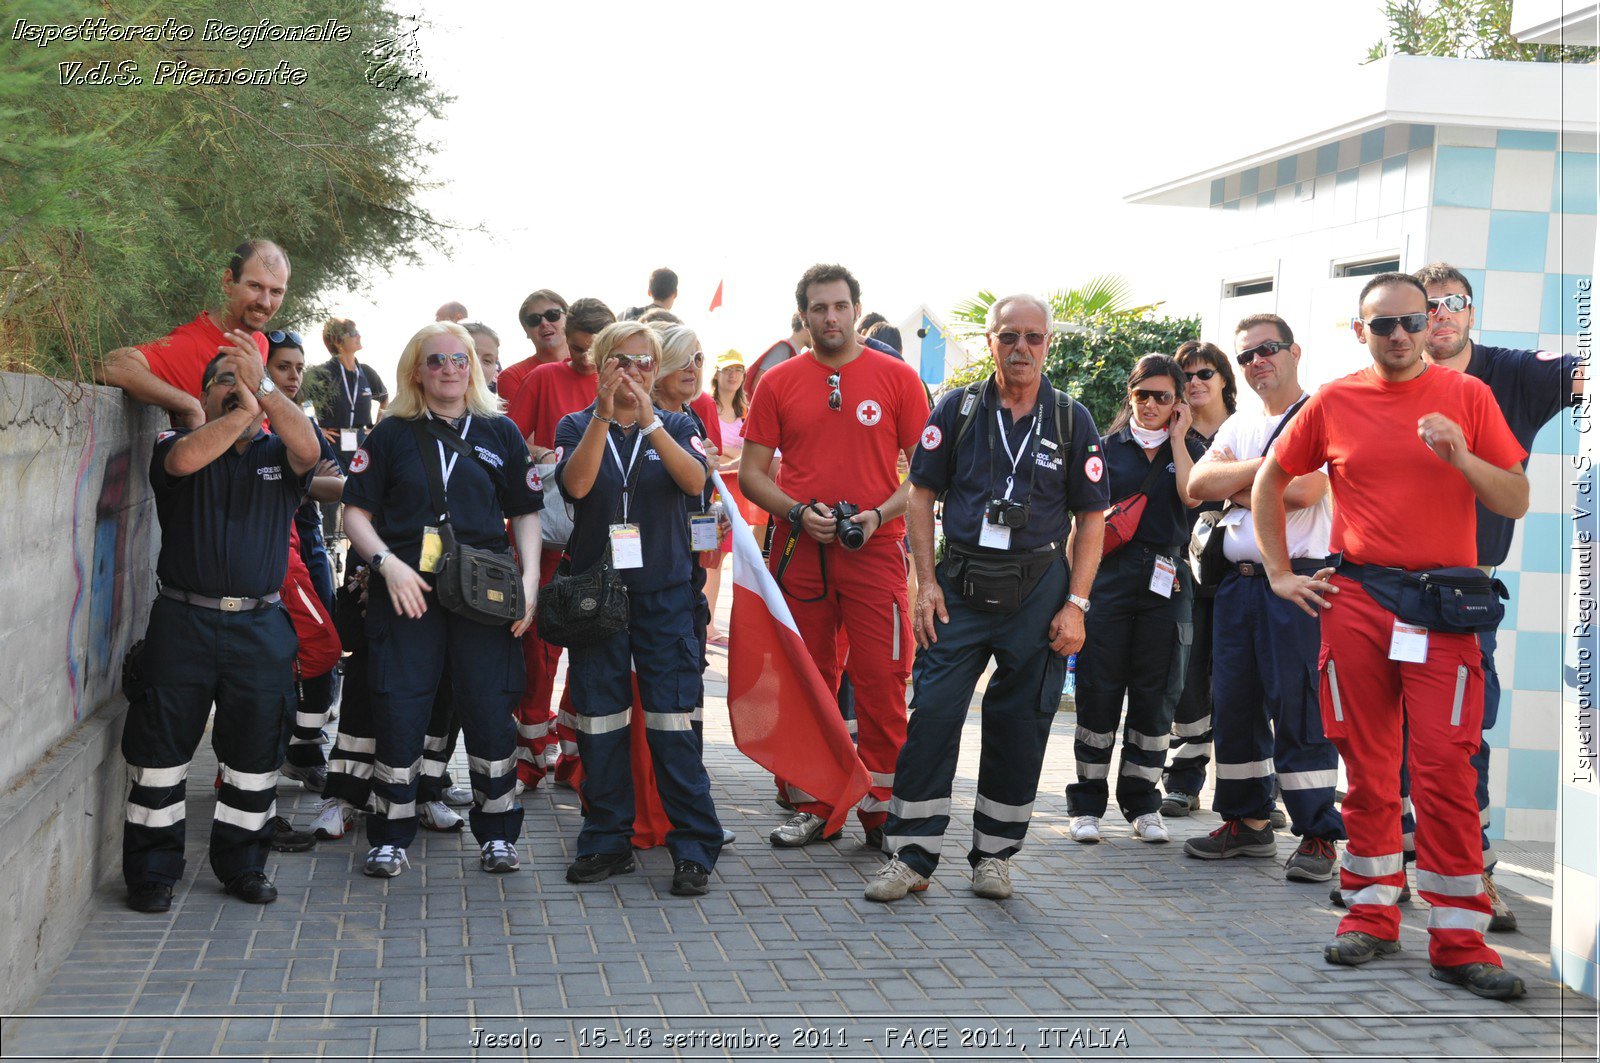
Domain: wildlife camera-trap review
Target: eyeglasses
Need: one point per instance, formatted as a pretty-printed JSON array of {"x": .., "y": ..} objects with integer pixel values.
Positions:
[
  {"x": 438, "y": 361},
  {"x": 698, "y": 360},
  {"x": 1262, "y": 350},
  {"x": 1202, "y": 374},
  {"x": 1160, "y": 398},
  {"x": 644, "y": 363},
  {"x": 1383, "y": 326},
  {"x": 1009, "y": 338},
  {"x": 277, "y": 336},
  {"x": 1453, "y": 303},
  {"x": 835, "y": 400},
  {"x": 226, "y": 380},
  {"x": 551, "y": 315}
]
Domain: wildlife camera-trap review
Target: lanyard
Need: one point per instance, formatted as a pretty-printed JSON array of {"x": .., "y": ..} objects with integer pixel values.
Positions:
[
  {"x": 448, "y": 467},
  {"x": 1022, "y": 448},
  {"x": 351, "y": 392},
  {"x": 625, "y": 470}
]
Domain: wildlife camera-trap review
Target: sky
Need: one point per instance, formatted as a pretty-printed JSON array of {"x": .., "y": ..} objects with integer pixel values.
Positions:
[{"x": 934, "y": 148}]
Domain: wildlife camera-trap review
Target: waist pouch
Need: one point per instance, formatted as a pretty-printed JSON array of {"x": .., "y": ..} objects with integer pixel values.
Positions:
[
  {"x": 481, "y": 585},
  {"x": 584, "y": 609},
  {"x": 1454, "y": 600},
  {"x": 997, "y": 583}
]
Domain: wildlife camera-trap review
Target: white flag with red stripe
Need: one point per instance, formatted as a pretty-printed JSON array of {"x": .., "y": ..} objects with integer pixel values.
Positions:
[{"x": 784, "y": 716}]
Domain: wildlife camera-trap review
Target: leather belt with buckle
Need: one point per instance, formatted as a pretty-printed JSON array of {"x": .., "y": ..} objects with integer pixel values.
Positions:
[{"x": 222, "y": 605}]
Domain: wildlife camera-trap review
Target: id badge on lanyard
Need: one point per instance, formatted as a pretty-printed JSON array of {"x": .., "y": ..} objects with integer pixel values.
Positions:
[
  {"x": 998, "y": 536},
  {"x": 703, "y": 532},
  {"x": 349, "y": 437},
  {"x": 627, "y": 544}
]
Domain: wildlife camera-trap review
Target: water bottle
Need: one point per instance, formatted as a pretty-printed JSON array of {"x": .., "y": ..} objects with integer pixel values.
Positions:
[{"x": 1071, "y": 688}]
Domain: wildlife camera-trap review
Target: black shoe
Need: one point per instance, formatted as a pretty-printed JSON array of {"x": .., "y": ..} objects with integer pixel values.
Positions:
[
  {"x": 253, "y": 887},
  {"x": 874, "y": 839},
  {"x": 1354, "y": 947},
  {"x": 597, "y": 867},
  {"x": 1484, "y": 979},
  {"x": 689, "y": 879},
  {"x": 150, "y": 897},
  {"x": 285, "y": 839}
]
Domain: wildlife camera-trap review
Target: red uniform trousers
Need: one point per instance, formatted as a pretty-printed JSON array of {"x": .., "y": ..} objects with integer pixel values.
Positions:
[
  {"x": 867, "y": 597},
  {"x": 536, "y": 727},
  {"x": 1366, "y": 699}
]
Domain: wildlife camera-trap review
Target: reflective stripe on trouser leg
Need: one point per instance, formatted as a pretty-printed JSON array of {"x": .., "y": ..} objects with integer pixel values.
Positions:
[
  {"x": 355, "y": 747},
  {"x": 667, "y": 659},
  {"x": 1241, "y": 724},
  {"x": 315, "y": 696},
  {"x": 534, "y": 716},
  {"x": 486, "y": 677},
  {"x": 600, "y": 680},
  {"x": 1307, "y": 764},
  {"x": 1190, "y": 750},
  {"x": 438, "y": 739},
  {"x": 407, "y": 661},
  {"x": 875, "y": 613},
  {"x": 1153, "y": 690}
]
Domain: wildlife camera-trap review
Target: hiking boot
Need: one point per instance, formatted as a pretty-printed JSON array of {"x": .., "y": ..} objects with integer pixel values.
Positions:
[
  {"x": 597, "y": 867},
  {"x": 1501, "y": 917},
  {"x": 285, "y": 839},
  {"x": 1276, "y": 819},
  {"x": 894, "y": 880},
  {"x": 1085, "y": 829},
  {"x": 1312, "y": 862},
  {"x": 1149, "y": 828},
  {"x": 1336, "y": 895},
  {"x": 385, "y": 861},
  {"x": 153, "y": 897},
  {"x": 991, "y": 879},
  {"x": 313, "y": 777},
  {"x": 803, "y": 828},
  {"x": 252, "y": 887},
  {"x": 436, "y": 815},
  {"x": 1178, "y": 804},
  {"x": 1484, "y": 979},
  {"x": 499, "y": 857},
  {"x": 1233, "y": 838},
  {"x": 458, "y": 797},
  {"x": 333, "y": 818},
  {"x": 1354, "y": 947},
  {"x": 689, "y": 879}
]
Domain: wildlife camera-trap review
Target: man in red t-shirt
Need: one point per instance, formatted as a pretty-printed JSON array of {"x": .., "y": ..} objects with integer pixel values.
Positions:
[
  {"x": 541, "y": 315},
  {"x": 1410, "y": 448},
  {"x": 166, "y": 372},
  {"x": 548, "y": 393},
  {"x": 842, "y": 414}
]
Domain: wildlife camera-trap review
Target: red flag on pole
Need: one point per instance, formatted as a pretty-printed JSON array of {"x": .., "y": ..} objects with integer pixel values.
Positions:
[
  {"x": 716, "y": 300},
  {"x": 784, "y": 717}
]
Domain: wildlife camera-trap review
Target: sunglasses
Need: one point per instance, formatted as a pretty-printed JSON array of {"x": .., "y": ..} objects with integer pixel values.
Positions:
[
  {"x": 1262, "y": 350},
  {"x": 551, "y": 315},
  {"x": 1160, "y": 398},
  {"x": 835, "y": 400},
  {"x": 1035, "y": 339},
  {"x": 698, "y": 360},
  {"x": 438, "y": 361},
  {"x": 1383, "y": 326},
  {"x": 1202, "y": 374},
  {"x": 644, "y": 363},
  {"x": 1453, "y": 303},
  {"x": 277, "y": 336}
]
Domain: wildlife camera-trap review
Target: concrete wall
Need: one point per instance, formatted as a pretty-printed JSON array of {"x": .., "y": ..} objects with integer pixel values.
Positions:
[{"x": 80, "y": 538}]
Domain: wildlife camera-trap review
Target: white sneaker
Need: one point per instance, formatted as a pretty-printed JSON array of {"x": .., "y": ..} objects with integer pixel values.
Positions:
[
  {"x": 893, "y": 881},
  {"x": 1149, "y": 828},
  {"x": 1085, "y": 829},
  {"x": 458, "y": 797},
  {"x": 499, "y": 857},
  {"x": 552, "y": 753},
  {"x": 333, "y": 818},
  {"x": 436, "y": 815},
  {"x": 991, "y": 879},
  {"x": 385, "y": 861},
  {"x": 519, "y": 788}
]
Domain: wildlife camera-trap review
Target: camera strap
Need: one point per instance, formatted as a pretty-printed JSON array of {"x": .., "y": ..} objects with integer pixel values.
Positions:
[{"x": 789, "y": 547}]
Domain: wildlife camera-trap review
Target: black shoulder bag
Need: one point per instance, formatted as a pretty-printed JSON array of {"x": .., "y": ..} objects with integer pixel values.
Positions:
[
  {"x": 591, "y": 606},
  {"x": 481, "y": 585}
]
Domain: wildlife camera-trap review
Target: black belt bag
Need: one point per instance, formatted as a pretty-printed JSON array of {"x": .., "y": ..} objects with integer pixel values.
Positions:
[
  {"x": 1454, "y": 600},
  {"x": 997, "y": 583}
]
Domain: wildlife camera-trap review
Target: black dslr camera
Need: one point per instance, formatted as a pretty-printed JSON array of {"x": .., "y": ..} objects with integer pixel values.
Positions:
[
  {"x": 852, "y": 536},
  {"x": 1005, "y": 513}
]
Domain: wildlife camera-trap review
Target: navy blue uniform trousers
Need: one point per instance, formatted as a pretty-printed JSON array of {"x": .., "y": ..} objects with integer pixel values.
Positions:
[
  {"x": 1191, "y": 721},
  {"x": 244, "y": 663},
  {"x": 1268, "y": 720},
  {"x": 1137, "y": 645},
  {"x": 1018, "y": 708},
  {"x": 661, "y": 647}
]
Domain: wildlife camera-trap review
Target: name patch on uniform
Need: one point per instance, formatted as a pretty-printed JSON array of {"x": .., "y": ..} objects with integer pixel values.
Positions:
[
  {"x": 533, "y": 481},
  {"x": 652, "y": 455},
  {"x": 869, "y": 413},
  {"x": 1094, "y": 468},
  {"x": 489, "y": 457},
  {"x": 932, "y": 437},
  {"x": 359, "y": 461},
  {"x": 270, "y": 472},
  {"x": 1047, "y": 461}
]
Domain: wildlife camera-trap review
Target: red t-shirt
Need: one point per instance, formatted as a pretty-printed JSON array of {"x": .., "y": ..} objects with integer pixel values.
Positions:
[
  {"x": 512, "y": 378},
  {"x": 1396, "y": 502},
  {"x": 549, "y": 393},
  {"x": 180, "y": 357},
  {"x": 850, "y": 454}
]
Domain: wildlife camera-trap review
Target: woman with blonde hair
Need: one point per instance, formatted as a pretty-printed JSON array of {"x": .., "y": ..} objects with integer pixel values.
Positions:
[
  {"x": 632, "y": 473},
  {"x": 442, "y": 412}
]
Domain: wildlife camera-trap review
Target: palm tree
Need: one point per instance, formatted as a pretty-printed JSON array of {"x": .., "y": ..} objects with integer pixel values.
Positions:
[{"x": 1105, "y": 297}]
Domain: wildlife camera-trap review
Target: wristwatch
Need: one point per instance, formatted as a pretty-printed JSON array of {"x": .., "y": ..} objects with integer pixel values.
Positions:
[
  {"x": 266, "y": 387},
  {"x": 1081, "y": 603},
  {"x": 378, "y": 559}
]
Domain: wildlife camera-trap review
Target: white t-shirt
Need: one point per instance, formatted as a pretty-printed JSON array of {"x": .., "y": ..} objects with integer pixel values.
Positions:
[{"x": 1245, "y": 434}]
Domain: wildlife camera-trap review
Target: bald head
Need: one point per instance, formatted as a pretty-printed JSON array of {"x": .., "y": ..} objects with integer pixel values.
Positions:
[{"x": 451, "y": 311}]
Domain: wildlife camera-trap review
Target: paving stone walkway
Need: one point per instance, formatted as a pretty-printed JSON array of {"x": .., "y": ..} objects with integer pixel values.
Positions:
[{"x": 1119, "y": 950}]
